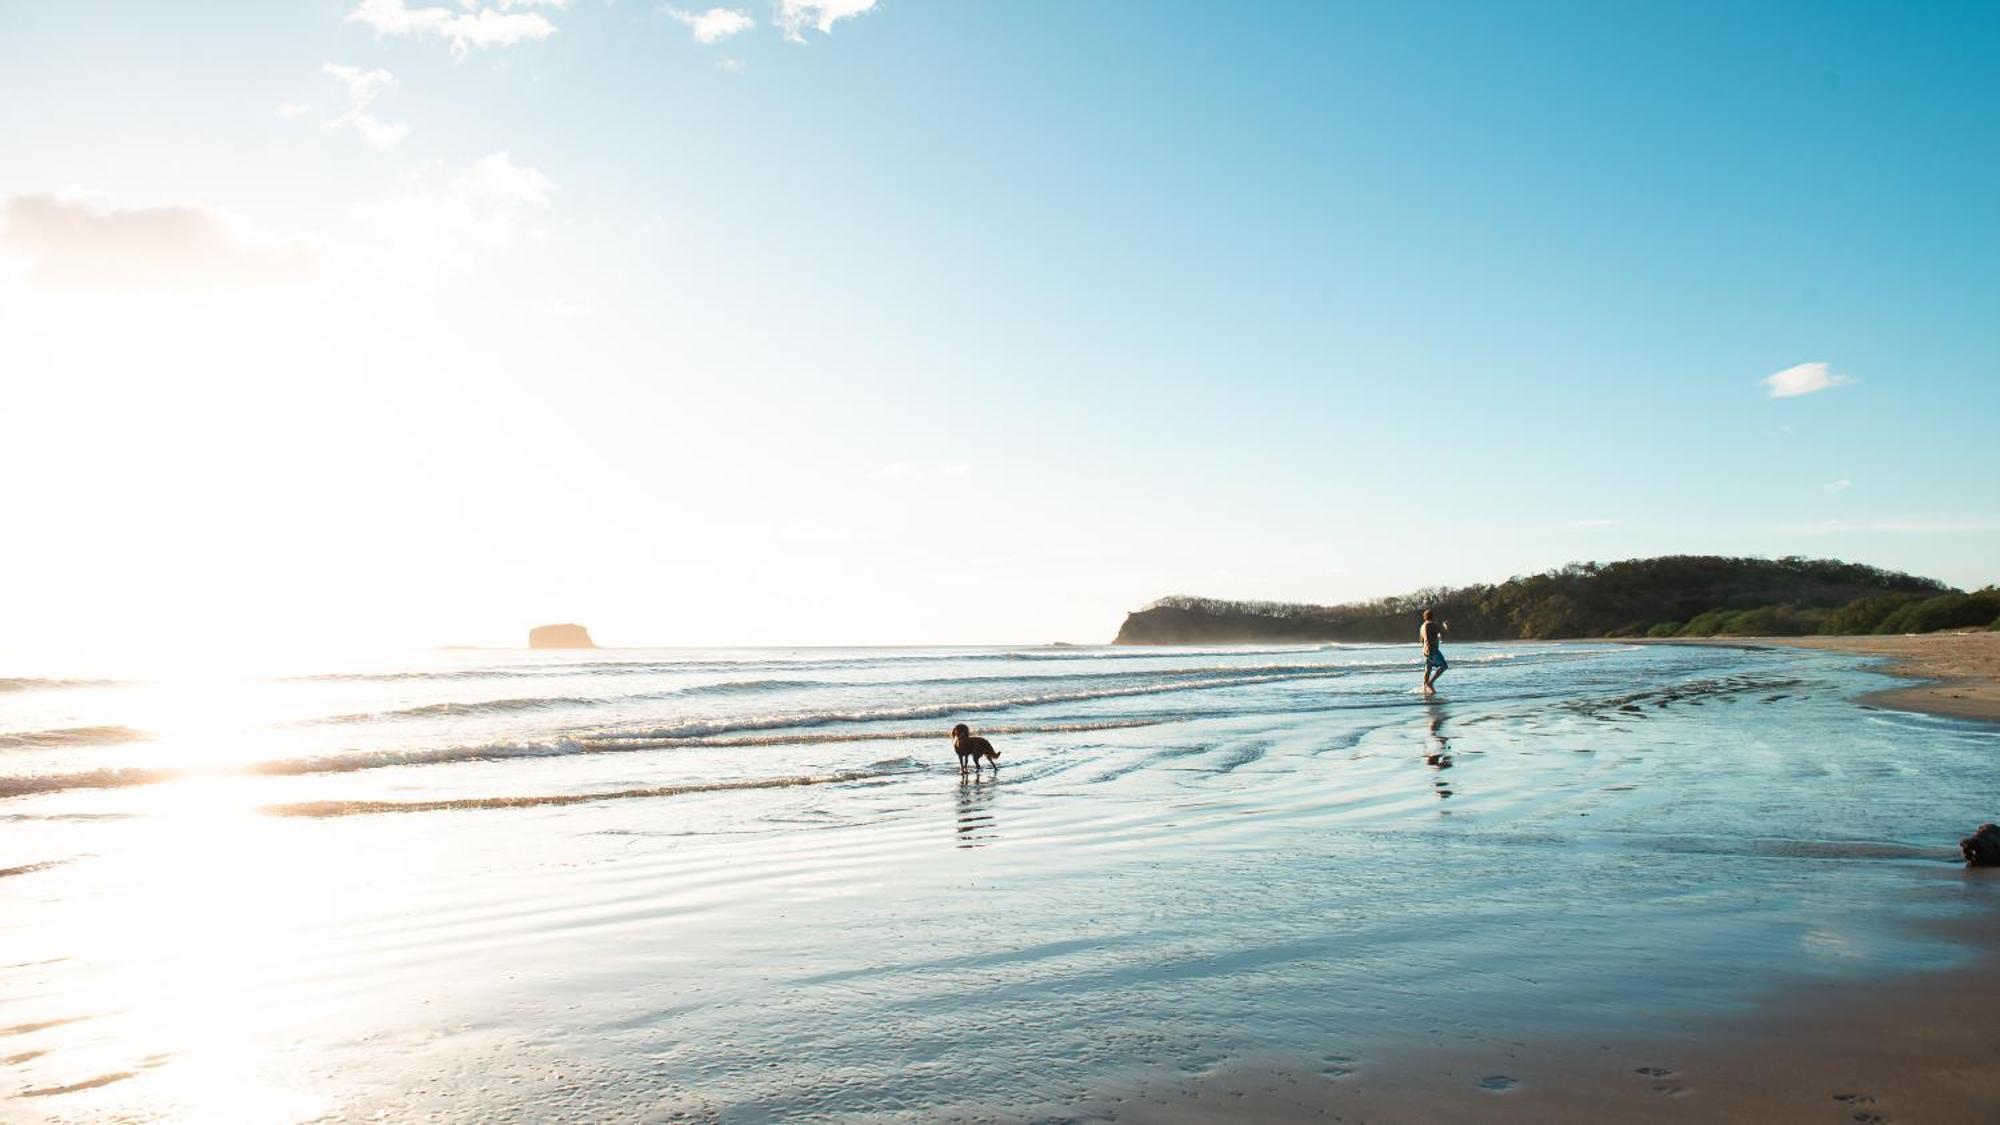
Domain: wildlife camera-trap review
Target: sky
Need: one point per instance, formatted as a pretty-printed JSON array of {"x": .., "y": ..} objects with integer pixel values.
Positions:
[{"x": 416, "y": 322}]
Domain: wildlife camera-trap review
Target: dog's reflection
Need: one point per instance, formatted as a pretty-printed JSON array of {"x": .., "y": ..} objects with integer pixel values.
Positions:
[
  {"x": 975, "y": 828},
  {"x": 1437, "y": 755}
]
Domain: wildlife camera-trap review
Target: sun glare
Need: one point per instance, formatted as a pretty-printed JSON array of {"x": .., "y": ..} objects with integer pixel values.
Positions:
[{"x": 191, "y": 934}]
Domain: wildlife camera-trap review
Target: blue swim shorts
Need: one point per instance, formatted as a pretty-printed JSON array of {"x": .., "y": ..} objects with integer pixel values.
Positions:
[{"x": 1435, "y": 659}]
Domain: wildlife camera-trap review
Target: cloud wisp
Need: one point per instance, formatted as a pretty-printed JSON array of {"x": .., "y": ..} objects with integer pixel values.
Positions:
[
  {"x": 495, "y": 25},
  {"x": 363, "y": 87},
  {"x": 715, "y": 24},
  {"x": 794, "y": 16},
  {"x": 1804, "y": 379},
  {"x": 424, "y": 233},
  {"x": 1841, "y": 485},
  {"x": 78, "y": 239},
  {"x": 420, "y": 235}
]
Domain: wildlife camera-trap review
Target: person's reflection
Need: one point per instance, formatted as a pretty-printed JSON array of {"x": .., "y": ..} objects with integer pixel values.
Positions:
[
  {"x": 975, "y": 811},
  {"x": 1437, "y": 755}
]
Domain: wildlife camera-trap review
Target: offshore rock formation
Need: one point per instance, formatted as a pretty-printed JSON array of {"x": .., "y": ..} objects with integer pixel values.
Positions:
[{"x": 560, "y": 636}]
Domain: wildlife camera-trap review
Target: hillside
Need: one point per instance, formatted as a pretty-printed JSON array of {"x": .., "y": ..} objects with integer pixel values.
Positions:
[{"x": 1675, "y": 595}]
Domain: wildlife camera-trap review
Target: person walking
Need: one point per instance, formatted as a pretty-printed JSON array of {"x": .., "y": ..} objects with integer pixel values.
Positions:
[{"x": 1431, "y": 633}]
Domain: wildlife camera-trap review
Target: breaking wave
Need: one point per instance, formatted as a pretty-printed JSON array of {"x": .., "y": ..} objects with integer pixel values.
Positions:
[
  {"x": 701, "y": 727},
  {"x": 70, "y": 736},
  {"x": 1147, "y": 683},
  {"x": 128, "y": 777},
  {"x": 360, "y": 808},
  {"x": 32, "y": 684},
  {"x": 856, "y": 709},
  {"x": 553, "y": 702}
]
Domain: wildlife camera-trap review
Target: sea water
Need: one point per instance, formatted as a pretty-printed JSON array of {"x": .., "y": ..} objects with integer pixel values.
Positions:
[{"x": 753, "y": 884}]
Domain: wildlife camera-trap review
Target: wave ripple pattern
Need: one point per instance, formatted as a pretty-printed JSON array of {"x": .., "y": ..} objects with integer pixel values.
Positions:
[{"x": 753, "y": 884}]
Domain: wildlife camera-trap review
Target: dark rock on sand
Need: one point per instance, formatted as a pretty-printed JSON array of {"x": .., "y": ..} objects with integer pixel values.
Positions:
[{"x": 1982, "y": 848}]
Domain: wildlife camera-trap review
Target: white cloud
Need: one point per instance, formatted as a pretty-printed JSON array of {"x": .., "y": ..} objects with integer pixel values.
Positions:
[
  {"x": 1837, "y": 486},
  {"x": 498, "y": 180},
  {"x": 363, "y": 87},
  {"x": 714, "y": 25},
  {"x": 464, "y": 30},
  {"x": 425, "y": 232},
  {"x": 1803, "y": 380},
  {"x": 76, "y": 238},
  {"x": 733, "y": 66},
  {"x": 1593, "y": 523},
  {"x": 794, "y": 16},
  {"x": 379, "y": 134}
]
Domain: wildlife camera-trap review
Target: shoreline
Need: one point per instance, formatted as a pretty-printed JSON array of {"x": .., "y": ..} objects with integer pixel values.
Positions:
[
  {"x": 1956, "y": 673},
  {"x": 1904, "y": 1047}
]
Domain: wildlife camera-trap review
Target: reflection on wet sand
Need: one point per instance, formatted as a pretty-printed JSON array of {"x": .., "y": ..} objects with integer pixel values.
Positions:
[
  {"x": 975, "y": 827},
  {"x": 1437, "y": 755}
]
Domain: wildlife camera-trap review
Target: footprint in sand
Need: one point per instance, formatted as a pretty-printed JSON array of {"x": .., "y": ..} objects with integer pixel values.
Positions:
[
  {"x": 1337, "y": 1067},
  {"x": 1664, "y": 1089},
  {"x": 1865, "y": 1117},
  {"x": 1498, "y": 1083}
]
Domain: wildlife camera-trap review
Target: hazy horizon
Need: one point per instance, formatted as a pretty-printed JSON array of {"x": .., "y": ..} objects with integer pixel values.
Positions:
[
  {"x": 843, "y": 322},
  {"x": 301, "y": 647}
]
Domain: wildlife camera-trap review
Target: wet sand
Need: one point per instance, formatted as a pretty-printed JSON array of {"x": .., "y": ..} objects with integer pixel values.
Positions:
[
  {"x": 1904, "y": 1048},
  {"x": 1963, "y": 669},
  {"x": 1959, "y": 671},
  {"x": 1205, "y": 882}
]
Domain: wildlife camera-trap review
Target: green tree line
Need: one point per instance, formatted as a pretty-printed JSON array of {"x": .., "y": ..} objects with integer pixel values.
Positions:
[{"x": 1670, "y": 596}]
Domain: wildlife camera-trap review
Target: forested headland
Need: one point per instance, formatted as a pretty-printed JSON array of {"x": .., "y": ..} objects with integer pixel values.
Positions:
[{"x": 1670, "y": 596}]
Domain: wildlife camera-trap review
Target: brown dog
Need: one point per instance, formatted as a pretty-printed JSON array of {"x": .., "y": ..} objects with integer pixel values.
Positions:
[
  {"x": 972, "y": 748},
  {"x": 1982, "y": 848}
]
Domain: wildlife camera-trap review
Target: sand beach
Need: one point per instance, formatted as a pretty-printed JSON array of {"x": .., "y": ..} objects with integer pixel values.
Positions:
[
  {"x": 1592, "y": 878},
  {"x": 1905, "y": 1048},
  {"x": 1960, "y": 670},
  {"x": 1957, "y": 672}
]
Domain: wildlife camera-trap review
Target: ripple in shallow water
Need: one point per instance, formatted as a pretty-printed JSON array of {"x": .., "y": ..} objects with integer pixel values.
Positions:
[{"x": 1149, "y": 882}]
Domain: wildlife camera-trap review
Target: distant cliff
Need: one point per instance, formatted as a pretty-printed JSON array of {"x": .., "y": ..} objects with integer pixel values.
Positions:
[
  {"x": 560, "y": 636},
  {"x": 1675, "y": 595}
]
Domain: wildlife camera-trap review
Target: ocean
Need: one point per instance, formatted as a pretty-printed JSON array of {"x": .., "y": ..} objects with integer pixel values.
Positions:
[{"x": 748, "y": 885}]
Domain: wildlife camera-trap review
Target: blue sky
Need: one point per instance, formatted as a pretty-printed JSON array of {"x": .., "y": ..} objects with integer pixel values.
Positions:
[{"x": 968, "y": 322}]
